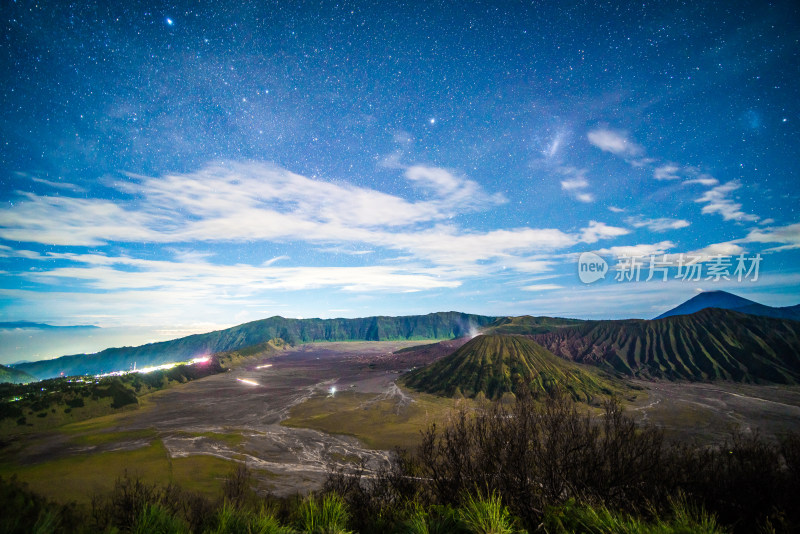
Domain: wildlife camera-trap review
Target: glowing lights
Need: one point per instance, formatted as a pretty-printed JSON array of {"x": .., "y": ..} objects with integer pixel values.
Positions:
[
  {"x": 145, "y": 370},
  {"x": 332, "y": 391},
  {"x": 264, "y": 366},
  {"x": 248, "y": 382}
]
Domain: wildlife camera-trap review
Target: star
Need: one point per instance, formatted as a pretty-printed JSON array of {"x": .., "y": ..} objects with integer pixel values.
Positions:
[{"x": 169, "y": 21}]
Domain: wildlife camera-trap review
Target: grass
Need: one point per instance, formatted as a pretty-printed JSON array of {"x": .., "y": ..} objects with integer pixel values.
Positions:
[
  {"x": 323, "y": 516},
  {"x": 380, "y": 425},
  {"x": 79, "y": 477},
  {"x": 574, "y": 518},
  {"x": 486, "y": 516}
]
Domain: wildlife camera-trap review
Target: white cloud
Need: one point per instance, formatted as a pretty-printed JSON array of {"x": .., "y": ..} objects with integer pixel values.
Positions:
[
  {"x": 542, "y": 287},
  {"x": 788, "y": 237},
  {"x": 574, "y": 183},
  {"x": 260, "y": 203},
  {"x": 657, "y": 225},
  {"x": 615, "y": 209},
  {"x": 703, "y": 179},
  {"x": 59, "y": 185},
  {"x": 641, "y": 250},
  {"x": 717, "y": 200},
  {"x": 709, "y": 252},
  {"x": 598, "y": 230},
  {"x": 614, "y": 141},
  {"x": 666, "y": 172}
]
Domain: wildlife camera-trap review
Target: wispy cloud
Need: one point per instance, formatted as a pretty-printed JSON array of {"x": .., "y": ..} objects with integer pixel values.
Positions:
[
  {"x": 636, "y": 251},
  {"x": 615, "y": 142},
  {"x": 717, "y": 200},
  {"x": 541, "y": 287},
  {"x": 576, "y": 183},
  {"x": 403, "y": 245},
  {"x": 787, "y": 237},
  {"x": 598, "y": 230},
  {"x": 667, "y": 172},
  {"x": 661, "y": 224}
]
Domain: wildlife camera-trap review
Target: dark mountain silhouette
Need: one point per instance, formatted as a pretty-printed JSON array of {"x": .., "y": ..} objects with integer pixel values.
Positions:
[{"x": 729, "y": 301}]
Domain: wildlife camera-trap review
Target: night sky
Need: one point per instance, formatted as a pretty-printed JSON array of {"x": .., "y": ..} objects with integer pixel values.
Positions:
[{"x": 197, "y": 165}]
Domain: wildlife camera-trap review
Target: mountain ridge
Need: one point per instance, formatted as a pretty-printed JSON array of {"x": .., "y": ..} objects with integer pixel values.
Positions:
[
  {"x": 439, "y": 325},
  {"x": 730, "y": 301},
  {"x": 712, "y": 344}
]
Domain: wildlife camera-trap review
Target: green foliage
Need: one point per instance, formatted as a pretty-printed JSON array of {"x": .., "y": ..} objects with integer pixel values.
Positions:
[
  {"x": 154, "y": 519},
  {"x": 231, "y": 520},
  {"x": 572, "y": 518},
  {"x": 432, "y": 520},
  {"x": 327, "y": 515},
  {"x": 486, "y": 516}
]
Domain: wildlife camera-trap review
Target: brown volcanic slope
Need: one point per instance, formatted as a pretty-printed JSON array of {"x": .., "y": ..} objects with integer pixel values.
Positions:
[
  {"x": 712, "y": 344},
  {"x": 497, "y": 364}
]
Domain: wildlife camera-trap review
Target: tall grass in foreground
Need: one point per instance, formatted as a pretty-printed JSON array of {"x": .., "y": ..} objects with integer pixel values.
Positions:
[
  {"x": 328, "y": 516},
  {"x": 155, "y": 519},
  {"x": 573, "y": 518},
  {"x": 486, "y": 516},
  {"x": 231, "y": 520}
]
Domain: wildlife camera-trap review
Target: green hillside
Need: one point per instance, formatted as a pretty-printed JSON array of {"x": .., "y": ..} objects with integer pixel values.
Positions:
[
  {"x": 528, "y": 325},
  {"x": 497, "y": 364},
  {"x": 14, "y": 376},
  {"x": 432, "y": 326},
  {"x": 712, "y": 344}
]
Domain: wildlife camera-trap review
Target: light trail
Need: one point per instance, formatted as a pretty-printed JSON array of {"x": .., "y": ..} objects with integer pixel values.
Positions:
[{"x": 249, "y": 382}]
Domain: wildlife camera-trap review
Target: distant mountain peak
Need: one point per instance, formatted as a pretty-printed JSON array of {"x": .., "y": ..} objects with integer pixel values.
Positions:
[{"x": 729, "y": 301}]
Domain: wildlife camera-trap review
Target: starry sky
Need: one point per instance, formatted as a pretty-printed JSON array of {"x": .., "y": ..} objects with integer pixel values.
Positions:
[{"x": 184, "y": 166}]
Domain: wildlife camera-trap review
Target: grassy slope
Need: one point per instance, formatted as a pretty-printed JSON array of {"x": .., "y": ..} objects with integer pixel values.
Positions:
[
  {"x": 496, "y": 364},
  {"x": 432, "y": 326},
  {"x": 527, "y": 325},
  {"x": 81, "y": 476},
  {"x": 14, "y": 376},
  {"x": 380, "y": 424},
  {"x": 712, "y": 344}
]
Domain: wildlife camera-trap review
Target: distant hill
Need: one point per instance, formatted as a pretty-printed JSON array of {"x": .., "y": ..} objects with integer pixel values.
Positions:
[
  {"x": 15, "y": 376},
  {"x": 497, "y": 364},
  {"x": 528, "y": 325},
  {"x": 712, "y": 344},
  {"x": 729, "y": 301},
  {"x": 440, "y": 325},
  {"x": 38, "y": 326}
]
